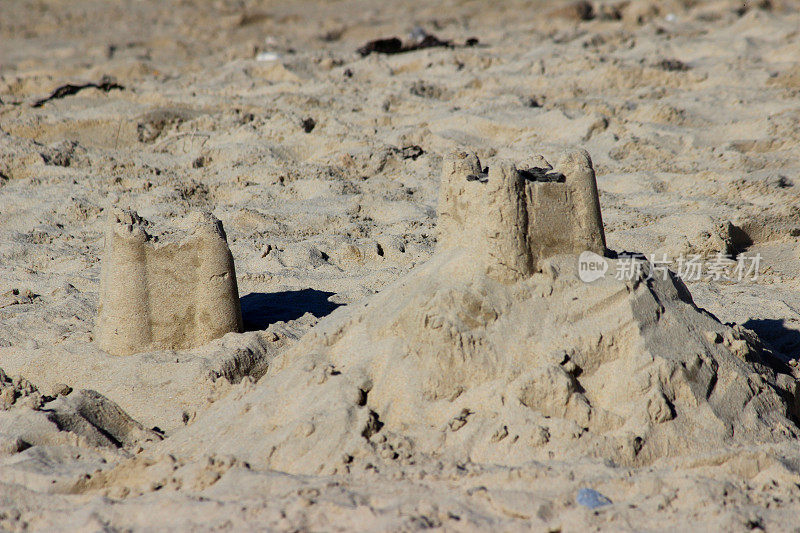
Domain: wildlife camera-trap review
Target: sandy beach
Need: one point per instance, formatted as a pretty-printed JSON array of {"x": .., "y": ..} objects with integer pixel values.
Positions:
[{"x": 314, "y": 265}]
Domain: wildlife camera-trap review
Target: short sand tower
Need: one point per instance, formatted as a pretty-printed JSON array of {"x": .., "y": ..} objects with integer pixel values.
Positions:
[
  {"x": 171, "y": 291},
  {"x": 513, "y": 218}
]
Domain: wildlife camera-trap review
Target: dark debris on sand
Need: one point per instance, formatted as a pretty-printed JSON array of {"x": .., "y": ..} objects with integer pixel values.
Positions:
[
  {"x": 394, "y": 45},
  {"x": 106, "y": 84}
]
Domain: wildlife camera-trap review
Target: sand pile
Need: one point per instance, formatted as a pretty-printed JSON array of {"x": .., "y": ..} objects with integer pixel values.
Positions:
[
  {"x": 85, "y": 418},
  {"x": 483, "y": 355}
]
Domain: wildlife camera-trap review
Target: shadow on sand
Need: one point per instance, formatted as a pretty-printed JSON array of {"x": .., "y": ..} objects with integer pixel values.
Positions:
[
  {"x": 259, "y": 309},
  {"x": 777, "y": 335}
]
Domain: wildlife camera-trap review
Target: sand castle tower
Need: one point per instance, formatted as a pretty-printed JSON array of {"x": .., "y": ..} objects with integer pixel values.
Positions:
[
  {"x": 172, "y": 291},
  {"x": 513, "y": 218}
]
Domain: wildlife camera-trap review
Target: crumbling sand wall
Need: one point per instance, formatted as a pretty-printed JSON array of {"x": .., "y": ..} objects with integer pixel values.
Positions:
[
  {"x": 165, "y": 295},
  {"x": 515, "y": 217}
]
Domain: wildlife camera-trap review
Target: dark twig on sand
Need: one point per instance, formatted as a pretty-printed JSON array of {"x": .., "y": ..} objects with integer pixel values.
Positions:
[
  {"x": 393, "y": 45},
  {"x": 542, "y": 174},
  {"x": 106, "y": 84}
]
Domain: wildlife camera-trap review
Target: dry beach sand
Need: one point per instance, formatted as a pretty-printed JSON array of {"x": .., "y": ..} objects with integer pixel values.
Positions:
[{"x": 411, "y": 356}]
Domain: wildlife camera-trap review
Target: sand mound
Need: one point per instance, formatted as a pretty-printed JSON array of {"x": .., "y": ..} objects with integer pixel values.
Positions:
[
  {"x": 495, "y": 351},
  {"x": 82, "y": 418}
]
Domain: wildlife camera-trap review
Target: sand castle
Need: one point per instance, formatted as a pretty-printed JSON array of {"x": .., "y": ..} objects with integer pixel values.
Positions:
[
  {"x": 168, "y": 292},
  {"x": 486, "y": 354},
  {"x": 513, "y": 218}
]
